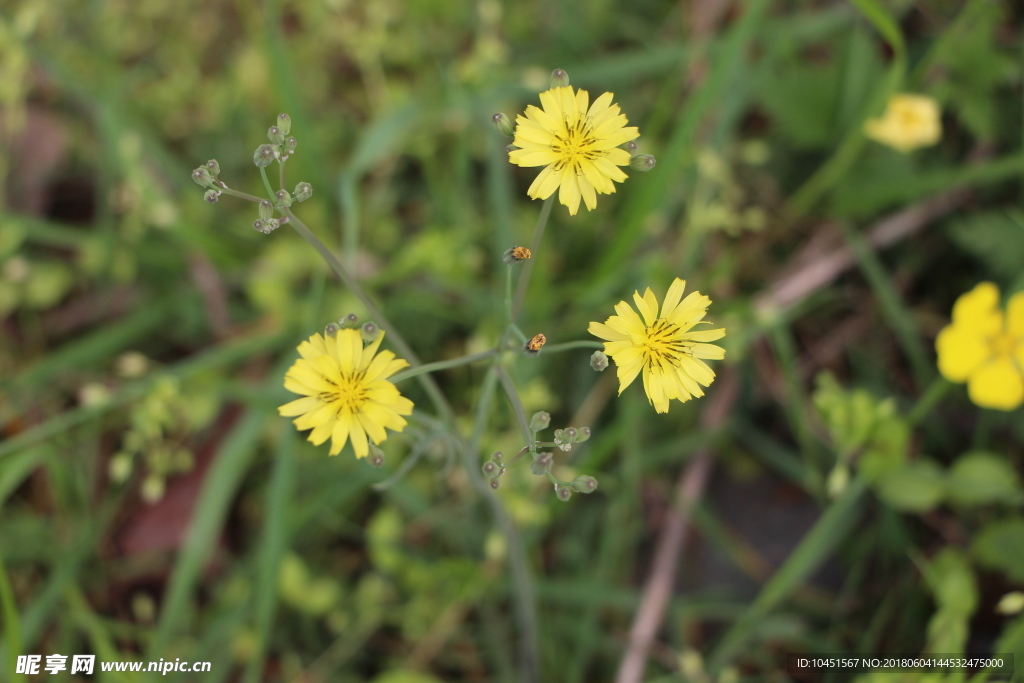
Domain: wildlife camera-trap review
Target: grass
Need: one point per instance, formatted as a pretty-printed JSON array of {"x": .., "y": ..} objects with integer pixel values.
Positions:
[{"x": 277, "y": 563}]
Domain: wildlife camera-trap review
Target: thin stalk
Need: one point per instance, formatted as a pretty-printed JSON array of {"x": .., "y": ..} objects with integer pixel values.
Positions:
[
  {"x": 931, "y": 397},
  {"x": 241, "y": 195},
  {"x": 266, "y": 184},
  {"x": 442, "y": 365},
  {"x": 517, "y": 405},
  {"x": 568, "y": 346},
  {"x": 440, "y": 402},
  {"x": 538, "y": 233}
]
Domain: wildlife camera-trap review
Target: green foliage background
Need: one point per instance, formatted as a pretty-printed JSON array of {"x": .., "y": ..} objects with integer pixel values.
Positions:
[{"x": 143, "y": 329}]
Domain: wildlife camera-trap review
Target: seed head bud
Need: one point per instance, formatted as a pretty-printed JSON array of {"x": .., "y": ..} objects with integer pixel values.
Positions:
[
  {"x": 260, "y": 225},
  {"x": 275, "y": 135},
  {"x": 584, "y": 484},
  {"x": 540, "y": 421},
  {"x": 490, "y": 469},
  {"x": 202, "y": 177},
  {"x": 349, "y": 321},
  {"x": 211, "y": 196},
  {"x": 303, "y": 191},
  {"x": 642, "y": 162},
  {"x": 369, "y": 331},
  {"x": 331, "y": 330},
  {"x": 563, "y": 493},
  {"x": 541, "y": 465},
  {"x": 264, "y": 155},
  {"x": 284, "y": 123},
  {"x": 495, "y": 484},
  {"x": 376, "y": 456},
  {"x": 629, "y": 147},
  {"x": 266, "y": 210},
  {"x": 290, "y": 143},
  {"x": 599, "y": 360},
  {"x": 503, "y": 125},
  {"x": 498, "y": 457},
  {"x": 284, "y": 198},
  {"x": 557, "y": 438},
  {"x": 213, "y": 167},
  {"x": 559, "y": 79},
  {"x": 516, "y": 254},
  {"x": 582, "y": 434},
  {"x": 532, "y": 348}
]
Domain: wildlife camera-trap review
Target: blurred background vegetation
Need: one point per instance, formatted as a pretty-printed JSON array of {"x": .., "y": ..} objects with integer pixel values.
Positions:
[{"x": 842, "y": 498}]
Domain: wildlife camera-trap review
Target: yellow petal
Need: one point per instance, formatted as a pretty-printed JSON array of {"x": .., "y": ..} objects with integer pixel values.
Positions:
[
  {"x": 628, "y": 322},
  {"x": 374, "y": 428},
  {"x": 997, "y": 384},
  {"x": 627, "y": 373},
  {"x": 709, "y": 351},
  {"x": 672, "y": 297},
  {"x": 979, "y": 308},
  {"x": 321, "y": 432},
  {"x": 340, "y": 432},
  {"x": 603, "y": 331},
  {"x": 588, "y": 192},
  {"x": 647, "y": 305},
  {"x": 359, "y": 442},
  {"x": 961, "y": 351},
  {"x": 544, "y": 184},
  {"x": 600, "y": 106},
  {"x": 298, "y": 406},
  {"x": 532, "y": 157},
  {"x": 705, "y": 335},
  {"x": 569, "y": 191}
]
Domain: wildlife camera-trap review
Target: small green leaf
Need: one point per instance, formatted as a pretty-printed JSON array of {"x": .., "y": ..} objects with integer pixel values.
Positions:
[
  {"x": 980, "y": 478},
  {"x": 1000, "y": 545},
  {"x": 916, "y": 487}
]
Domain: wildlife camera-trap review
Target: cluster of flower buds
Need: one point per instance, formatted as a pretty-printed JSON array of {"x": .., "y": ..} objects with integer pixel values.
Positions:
[
  {"x": 368, "y": 330},
  {"x": 494, "y": 468},
  {"x": 281, "y": 144},
  {"x": 206, "y": 176},
  {"x": 565, "y": 438}
]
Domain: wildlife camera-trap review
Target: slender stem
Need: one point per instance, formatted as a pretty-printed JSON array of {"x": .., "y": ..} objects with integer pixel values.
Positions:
[
  {"x": 241, "y": 195},
  {"x": 518, "y": 333},
  {"x": 931, "y": 397},
  {"x": 508, "y": 296},
  {"x": 440, "y": 402},
  {"x": 524, "y": 278},
  {"x": 522, "y": 584},
  {"x": 407, "y": 464},
  {"x": 280, "y": 172},
  {"x": 266, "y": 184},
  {"x": 442, "y": 365},
  {"x": 517, "y": 405},
  {"x": 568, "y": 346}
]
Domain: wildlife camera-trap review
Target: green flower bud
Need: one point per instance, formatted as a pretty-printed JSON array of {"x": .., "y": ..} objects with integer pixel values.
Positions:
[
  {"x": 290, "y": 144},
  {"x": 213, "y": 167},
  {"x": 376, "y": 457},
  {"x": 569, "y": 434},
  {"x": 642, "y": 162},
  {"x": 266, "y": 210},
  {"x": 349, "y": 321},
  {"x": 120, "y": 467},
  {"x": 582, "y": 434},
  {"x": 629, "y": 147},
  {"x": 503, "y": 125},
  {"x": 284, "y": 122},
  {"x": 495, "y": 484},
  {"x": 303, "y": 191},
  {"x": 540, "y": 421},
  {"x": 153, "y": 488},
  {"x": 498, "y": 457},
  {"x": 584, "y": 484},
  {"x": 599, "y": 361},
  {"x": 331, "y": 330},
  {"x": 275, "y": 135},
  {"x": 369, "y": 331},
  {"x": 284, "y": 198},
  {"x": 266, "y": 226},
  {"x": 202, "y": 177},
  {"x": 211, "y": 196},
  {"x": 558, "y": 435},
  {"x": 564, "y": 493},
  {"x": 559, "y": 79},
  {"x": 541, "y": 465},
  {"x": 264, "y": 155},
  {"x": 491, "y": 469}
]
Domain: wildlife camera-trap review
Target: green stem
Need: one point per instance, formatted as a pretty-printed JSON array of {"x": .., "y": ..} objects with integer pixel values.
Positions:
[
  {"x": 266, "y": 184},
  {"x": 931, "y": 397},
  {"x": 517, "y": 405},
  {"x": 568, "y": 346},
  {"x": 508, "y": 296},
  {"x": 443, "y": 365},
  {"x": 538, "y": 233},
  {"x": 241, "y": 195},
  {"x": 440, "y": 402}
]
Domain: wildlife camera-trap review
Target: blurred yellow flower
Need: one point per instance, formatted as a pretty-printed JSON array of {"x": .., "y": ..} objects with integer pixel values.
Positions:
[
  {"x": 579, "y": 147},
  {"x": 665, "y": 348},
  {"x": 345, "y": 391},
  {"x": 985, "y": 348},
  {"x": 908, "y": 122}
]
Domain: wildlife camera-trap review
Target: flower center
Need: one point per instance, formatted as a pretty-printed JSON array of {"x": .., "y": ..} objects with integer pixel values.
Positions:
[
  {"x": 350, "y": 395},
  {"x": 663, "y": 343},
  {"x": 1003, "y": 344},
  {"x": 575, "y": 145}
]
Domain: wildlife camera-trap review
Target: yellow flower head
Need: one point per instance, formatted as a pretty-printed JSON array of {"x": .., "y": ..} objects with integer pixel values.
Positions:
[
  {"x": 579, "y": 147},
  {"x": 909, "y": 122},
  {"x": 985, "y": 348},
  {"x": 664, "y": 347},
  {"x": 345, "y": 391}
]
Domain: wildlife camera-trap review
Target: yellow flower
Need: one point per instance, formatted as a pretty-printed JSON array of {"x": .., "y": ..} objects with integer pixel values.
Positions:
[
  {"x": 665, "y": 348},
  {"x": 985, "y": 348},
  {"x": 908, "y": 122},
  {"x": 579, "y": 147},
  {"x": 345, "y": 391}
]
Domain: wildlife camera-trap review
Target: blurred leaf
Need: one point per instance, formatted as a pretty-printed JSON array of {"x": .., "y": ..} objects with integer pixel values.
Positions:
[
  {"x": 994, "y": 238},
  {"x": 916, "y": 487},
  {"x": 405, "y": 676},
  {"x": 1000, "y": 545},
  {"x": 980, "y": 478}
]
